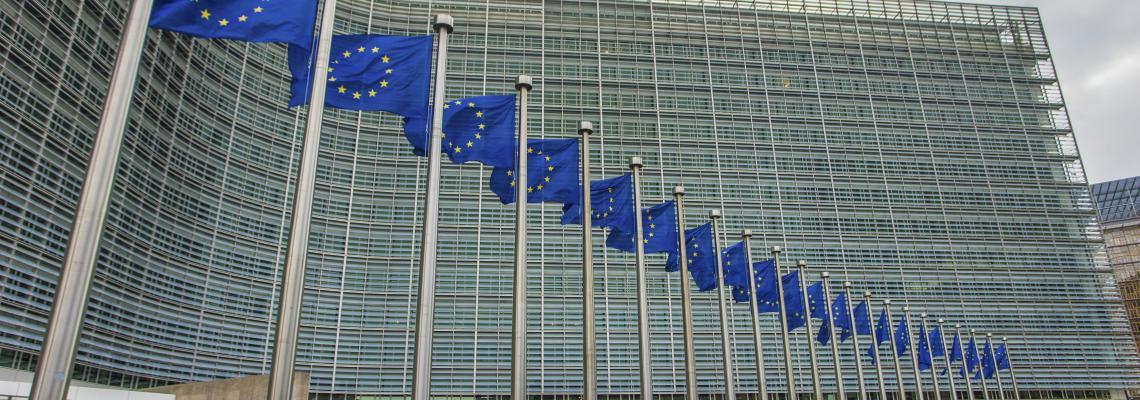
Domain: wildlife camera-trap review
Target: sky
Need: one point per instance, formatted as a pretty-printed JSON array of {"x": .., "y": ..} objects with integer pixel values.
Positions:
[{"x": 1096, "y": 48}]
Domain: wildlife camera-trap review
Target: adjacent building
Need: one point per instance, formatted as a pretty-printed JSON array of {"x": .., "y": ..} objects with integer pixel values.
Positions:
[
  {"x": 921, "y": 150},
  {"x": 1119, "y": 205}
]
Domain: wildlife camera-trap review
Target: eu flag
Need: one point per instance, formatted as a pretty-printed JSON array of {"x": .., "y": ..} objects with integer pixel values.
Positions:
[
  {"x": 989, "y": 367},
  {"x": 841, "y": 317},
  {"x": 373, "y": 73},
  {"x": 285, "y": 21},
  {"x": 956, "y": 353},
  {"x": 882, "y": 334},
  {"x": 925, "y": 361},
  {"x": 552, "y": 173},
  {"x": 611, "y": 201},
  {"x": 767, "y": 294},
  {"x": 817, "y": 308},
  {"x": 937, "y": 345},
  {"x": 862, "y": 319},
  {"x": 701, "y": 256},
  {"x": 659, "y": 228},
  {"x": 480, "y": 129},
  {"x": 902, "y": 333},
  {"x": 794, "y": 309},
  {"x": 735, "y": 267},
  {"x": 972, "y": 360},
  {"x": 1001, "y": 357}
]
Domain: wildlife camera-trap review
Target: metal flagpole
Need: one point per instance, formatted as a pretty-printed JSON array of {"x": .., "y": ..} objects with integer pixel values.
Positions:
[
  {"x": 933, "y": 371},
  {"x": 894, "y": 350},
  {"x": 53, "y": 372},
  {"x": 589, "y": 333},
  {"x": 785, "y": 336},
  {"x": 913, "y": 353},
  {"x": 686, "y": 304},
  {"x": 425, "y": 308},
  {"x": 985, "y": 390},
  {"x": 1012, "y": 376},
  {"x": 293, "y": 279},
  {"x": 839, "y": 392},
  {"x": 962, "y": 351},
  {"x": 761, "y": 378},
  {"x": 855, "y": 340},
  {"x": 817, "y": 389},
  {"x": 997, "y": 375},
  {"x": 946, "y": 357},
  {"x": 722, "y": 299},
  {"x": 518, "y": 324},
  {"x": 878, "y": 353},
  {"x": 635, "y": 165}
]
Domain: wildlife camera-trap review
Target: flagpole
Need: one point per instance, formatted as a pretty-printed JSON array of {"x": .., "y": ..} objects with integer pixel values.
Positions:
[
  {"x": 913, "y": 353},
  {"x": 962, "y": 351},
  {"x": 635, "y": 165},
  {"x": 817, "y": 389},
  {"x": 761, "y": 378},
  {"x": 589, "y": 333},
  {"x": 425, "y": 308},
  {"x": 894, "y": 351},
  {"x": 946, "y": 357},
  {"x": 792, "y": 395},
  {"x": 878, "y": 355},
  {"x": 933, "y": 371},
  {"x": 293, "y": 279},
  {"x": 518, "y": 325},
  {"x": 686, "y": 303},
  {"x": 1012, "y": 376},
  {"x": 855, "y": 340},
  {"x": 997, "y": 375},
  {"x": 61, "y": 339},
  {"x": 840, "y": 394},
  {"x": 985, "y": 390},
  {"x": 722, "y": 299}
]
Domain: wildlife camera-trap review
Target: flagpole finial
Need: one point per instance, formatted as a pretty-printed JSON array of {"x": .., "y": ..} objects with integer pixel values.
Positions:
[
  {"x": 825, "y": 275},
  {"x": 776, "y": 249},
  {"x": 989, "y": 335},
  {"x": 635, "y": 162},
  {"x": 922, "y": 315},
  {"x": 714, "y": 214},
  {"x": 940, "y": 321},
  {"x": 957, "y": 326},
  {"x": 585, "y": 128},
  {"x": 887, "y": 301},
  {"x": 906, "y": 308},
  {"x": 801, "y": 264},
  {"x": 848, "y": 284},
  {"x": 678, "y": 190},
  {"x": 746, "y": 233},
  {"x": 867, "y": 294},
  {"x": 972, "y": 331},
  {"x": 524, "y": 82},
  {"x": 444, "y": 21},
  {"x": 1003, "y": 338}
]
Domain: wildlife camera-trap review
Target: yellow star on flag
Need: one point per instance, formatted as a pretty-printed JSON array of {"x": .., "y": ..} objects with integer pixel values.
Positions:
[
  {"x": 479, "y": 114},
  {"x": 257, "y": 9},
  {"x": 341, "y": 89},
  {"x": 360, "y": 49},
  {"x": 469, "y": 143},
  {"x": 384, "y": 83},
  {"x": 205, "y": 14},
  {"x": 223, "y": 22},
  {"x": 356, "y": 95},
  {"x": 375, "y": 50},
  {"x": 372, "y": 93},
  {"x": 482, "y": 126},
  {"x": 388, "y": 71},
  {"x": 242, "y": 18},
  {"x": 384, "y": 58},
  {"x": 347, "y": 53}
]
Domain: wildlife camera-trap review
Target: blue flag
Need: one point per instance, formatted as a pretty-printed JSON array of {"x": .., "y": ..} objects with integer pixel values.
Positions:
[
  {"x": 972, "y": 360},
  {"x": 925, "y": 361},
  {"x": 480, "y": 129},
  {"x": 989, "y": 367},
  {"x": 824, "y": 334},
  {"x": 611, "y": 202},
  {"x": 956, "y": 349},
  {"x": 767, "y": 294},
  {"x": 862, "y": 319},
  {"x": 817, "y": 308},
  {"x": 552, "y": 173},
  {"x": 937, "y": 346},
  {"x": 902, "y": 344},
  {"x": 841, "y": 317},
  {"x": 659, "y": 226},
  {"x": 794, "y": 309},
  {"x": 373, "y": 73},
  {"x": 1001, "y": 357},
  {"x": 882, "y": 334},
  {"x": 285, "y": 21},
  {"x": 735, "y": 270},
  {"x": 701, "y": 256}
]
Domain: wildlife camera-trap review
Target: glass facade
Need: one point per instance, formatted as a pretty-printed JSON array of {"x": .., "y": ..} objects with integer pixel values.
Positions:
[
  {"x": 921, "y": 150},
  {"x": 1118, "y": 203}
]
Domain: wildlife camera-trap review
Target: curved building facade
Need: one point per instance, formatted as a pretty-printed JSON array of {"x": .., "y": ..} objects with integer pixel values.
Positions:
[{"x": 921, "y": 150}]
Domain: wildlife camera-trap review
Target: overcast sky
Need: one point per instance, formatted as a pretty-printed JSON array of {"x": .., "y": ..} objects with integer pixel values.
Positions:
[{"x": 1096, "y": 47}]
